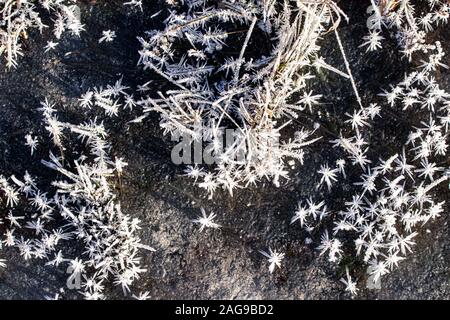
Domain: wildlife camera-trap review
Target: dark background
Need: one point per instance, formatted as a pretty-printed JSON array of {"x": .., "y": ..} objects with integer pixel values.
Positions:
[{"x": 225, "y": 263}]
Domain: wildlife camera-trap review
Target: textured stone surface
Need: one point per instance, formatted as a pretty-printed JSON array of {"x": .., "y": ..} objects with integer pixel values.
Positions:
[{"x": 213, "y": 263}]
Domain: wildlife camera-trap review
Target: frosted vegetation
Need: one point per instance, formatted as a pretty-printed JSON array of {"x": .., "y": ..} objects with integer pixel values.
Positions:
[{"x": 258, "y": 93}]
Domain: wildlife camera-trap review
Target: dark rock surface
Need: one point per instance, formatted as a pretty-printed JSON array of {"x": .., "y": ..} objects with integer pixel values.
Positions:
[{"x": 221, "y": 263}]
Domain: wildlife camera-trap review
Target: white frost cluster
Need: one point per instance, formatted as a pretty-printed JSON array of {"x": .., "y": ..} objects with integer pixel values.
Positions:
[
  {"x": 80, "y": 206},
  {"x": 411, "y": 26},
  {"x": 19, "y": 17},
  {"x": 256, "y": 91}
]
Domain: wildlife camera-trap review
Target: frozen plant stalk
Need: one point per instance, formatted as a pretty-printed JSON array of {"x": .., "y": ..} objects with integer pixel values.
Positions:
[
  {"x": 18, "y": 17},
  {"x": 256, "y": 94}
]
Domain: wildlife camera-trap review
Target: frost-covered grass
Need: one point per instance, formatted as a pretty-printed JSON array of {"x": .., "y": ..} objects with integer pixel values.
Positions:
[{"x": 218, "y": 76}]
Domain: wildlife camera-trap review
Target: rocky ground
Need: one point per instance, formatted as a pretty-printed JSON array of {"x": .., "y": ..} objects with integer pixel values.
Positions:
[{"x": 219, "y": 264}]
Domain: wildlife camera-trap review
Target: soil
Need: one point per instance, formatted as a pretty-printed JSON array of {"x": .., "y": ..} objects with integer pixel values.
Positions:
[{"x": 213, "y": 264}]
